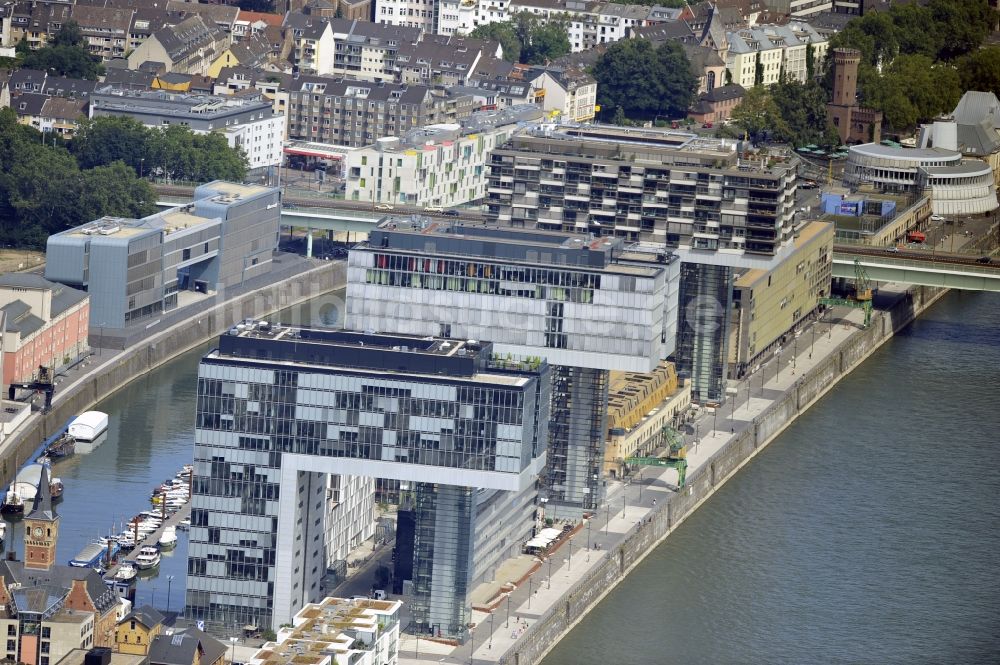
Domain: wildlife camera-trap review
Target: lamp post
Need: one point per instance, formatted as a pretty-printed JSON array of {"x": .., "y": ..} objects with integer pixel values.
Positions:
[
  {"x": 170, "y": 580},
  {"x": 491, "y": 630},
  {"x": 141, "y": 160},
  {"x": 795, "y": 352},
  {"x": 550, "y": 571},
  {"x": 506, "y": 623},
  {"x": 232, "y": 649},
  {"x": 607, "y": 519},
  {"x": 569, "y": 561},
  {"x": 530, "y": 580}
]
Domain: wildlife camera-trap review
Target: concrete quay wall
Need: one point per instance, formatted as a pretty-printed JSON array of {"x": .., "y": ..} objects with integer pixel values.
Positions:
[
  {"x": 552, "y": 626},
  {"x": 125, "y": 366}
]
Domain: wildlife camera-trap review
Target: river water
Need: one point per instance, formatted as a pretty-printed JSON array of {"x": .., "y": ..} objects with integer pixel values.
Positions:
[{"x": 869, "y": 532}]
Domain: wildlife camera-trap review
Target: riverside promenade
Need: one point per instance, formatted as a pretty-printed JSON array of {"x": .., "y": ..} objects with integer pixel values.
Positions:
[{"x": 642, "y": 511}]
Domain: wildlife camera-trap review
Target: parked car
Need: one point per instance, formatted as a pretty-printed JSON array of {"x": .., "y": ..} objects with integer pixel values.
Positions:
[
  {"x": 438, "y": 209},
  {"x": 383, "y": 206},
  {"x": 451, "y": 213},
  {"x": 984, "y": 259},
  {"x": 937, "y": 218},
  {"x": 893, "y": 249}
]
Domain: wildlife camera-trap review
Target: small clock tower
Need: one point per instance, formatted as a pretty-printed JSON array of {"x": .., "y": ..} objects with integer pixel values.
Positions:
[{"x": 41, "y": 528}]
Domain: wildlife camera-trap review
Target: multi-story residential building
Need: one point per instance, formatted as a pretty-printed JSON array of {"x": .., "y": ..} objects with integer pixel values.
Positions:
[
  {"x": 134, "y": 268},
  {"x": 447, "y": 61},
  {"x": 439, "y": 165},
  {"x": 569, "y": 92},
  {"x": 222, "y": 15},
  {"x": 254, "y": 23},
  {"x": 588, "y": 306},
  {"x": 248, "y": 121},
  {"x": 37, "y": 22},
  {"x": 145, "y": 21},
  {"x": 694, "y": 196},
  {"x": 49, "y": 114},
  {"x": 253, "y": 51},
  {"x": 418, "y": 14},
  {"x": 368, "y": 51},
  {"x": 769, "y": 305},
  {"x": 312, "y": 45},
  {"x": 189, "y": 47},
  {"x": 44, "y": 324},
  {"x": 281, "y": 408},
  {"x": 105, "y": 29},
  {"x": 338, "y": 631},
  {"x": 800, "y": 8},
  {"x": 356, "y": 113},
  {"x": 49, "y": 610},
  {"x": 765, "y": 53}
]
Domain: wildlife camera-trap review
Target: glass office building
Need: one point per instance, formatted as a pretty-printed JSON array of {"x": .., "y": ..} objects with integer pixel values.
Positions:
[
  {"x": 280, "y": 409},
  {"x": 586, "y": 305}
]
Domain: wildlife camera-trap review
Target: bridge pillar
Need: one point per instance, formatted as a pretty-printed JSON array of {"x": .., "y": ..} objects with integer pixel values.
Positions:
[{"x": 309, "y": 243}]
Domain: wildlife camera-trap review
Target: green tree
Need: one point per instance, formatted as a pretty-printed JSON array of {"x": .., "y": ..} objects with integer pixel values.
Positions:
[
  {"x": 914, "y": 89},
  {"x": 114, "y": 189},
  {"x": 505, "y": 35},
  {"x": 104, "y": 140},
  {"x": 962, "y": 24},
  {"x": 181, "y": 154},
  {"x": 67, "y": 55},
  {"x": 802, "y": 108},
  {"x": 980, "y": 70},
  {"x": 810, "y": 61},
  {"x": 546, "y": 42},
  {"x": 757, "y": 114},
  {"x": 644, "y": 80}
]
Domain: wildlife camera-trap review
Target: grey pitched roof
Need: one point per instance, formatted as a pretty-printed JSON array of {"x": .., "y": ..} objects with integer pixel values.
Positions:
[
  {"x": 41, "y": 507},
  {"x": 180, "y": 647},
  {"x": 731, "y": 91},
  {"x": 28, "y": 103},
  {"x": 223, "y": 15},
  {"x": 67, "y": 87},
  {"x": 129, "y": 78},
  {"x": 64, "y": 109},
  {"x": 974, "y": 107},
  {"x": 63, "y": 297},
  {"x": 186, "y": 37},
  {"x": 252, "y": 51},
  {"x": 979, "y": 139},
  {"x": 94, "y": 20},
  {"x": 15, "y": 309},
  {"x": 28, "y": 80},
  {"x": 62, "y": 577},
  {"x": 147, "y": 615}
]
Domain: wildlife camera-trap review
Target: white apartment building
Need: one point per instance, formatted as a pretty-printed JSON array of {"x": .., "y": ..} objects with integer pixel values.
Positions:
[
  {"x": 350, "y": 515},
  {"x": 568, "y": 93},
  {"x": 409, "y": 13},
  {"x": 337, "y": 631},
  {"x": 436, "y": 165},
  {"x": 779, "y": 49}
]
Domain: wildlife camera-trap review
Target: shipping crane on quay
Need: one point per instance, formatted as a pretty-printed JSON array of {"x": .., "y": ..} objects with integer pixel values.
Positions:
[
  {"x": 862, "y": 298},
  {"x": 675, "y": 457}
]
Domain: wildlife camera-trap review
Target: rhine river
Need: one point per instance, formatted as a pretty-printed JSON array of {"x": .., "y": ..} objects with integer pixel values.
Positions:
[{"x": 869, "y": 532}]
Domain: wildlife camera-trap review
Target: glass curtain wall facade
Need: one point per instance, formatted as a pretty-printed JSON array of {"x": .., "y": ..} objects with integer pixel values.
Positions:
[
  {"x": 573, "y": 475},
  {"x": 281, "y": 410},
  {"x": 704, "y": 315}
]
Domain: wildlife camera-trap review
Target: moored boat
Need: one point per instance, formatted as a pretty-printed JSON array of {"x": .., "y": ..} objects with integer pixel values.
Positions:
[
  {"x": 13, "y": 506},
  {"x": 64, "y": 446},
  {"x": 148, "y": 557},
  {"x": 168, "y": 539},
  {"x": 88, "y": 426}
]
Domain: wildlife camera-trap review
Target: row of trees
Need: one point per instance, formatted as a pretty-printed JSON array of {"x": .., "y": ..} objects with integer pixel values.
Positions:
[
  {"x": 917, "y": 58},
  {"x": 44, "y": 191},
  {"x": 174, "y": 151},
  {"x": 526, "y": 39},
  {"x": 48, "y": 185}
]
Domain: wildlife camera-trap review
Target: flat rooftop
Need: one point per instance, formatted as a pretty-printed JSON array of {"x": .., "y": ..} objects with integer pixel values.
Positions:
[
  {"x": 529, "y": 246},
  {"x": 333, "y": 626},
  {"x": 236, "y": 189},
  {"x": 469, "y": 360}
]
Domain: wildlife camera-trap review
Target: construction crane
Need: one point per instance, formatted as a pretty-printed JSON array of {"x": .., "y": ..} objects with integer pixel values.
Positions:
[
  {"x": 862, "y": 298},
  {"x": 674, "y": 458},
  {"x": 43, "y": 384}
]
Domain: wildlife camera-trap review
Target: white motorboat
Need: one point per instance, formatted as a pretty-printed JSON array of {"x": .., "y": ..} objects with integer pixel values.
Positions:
[
  {"x": 148, "y": 557},
  {"x": 126, "y": 571},
  {"x": 168, "y": 539}
]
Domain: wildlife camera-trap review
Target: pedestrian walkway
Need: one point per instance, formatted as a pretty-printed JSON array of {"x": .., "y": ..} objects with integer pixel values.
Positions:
[{"x": 630, "y": 503}]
